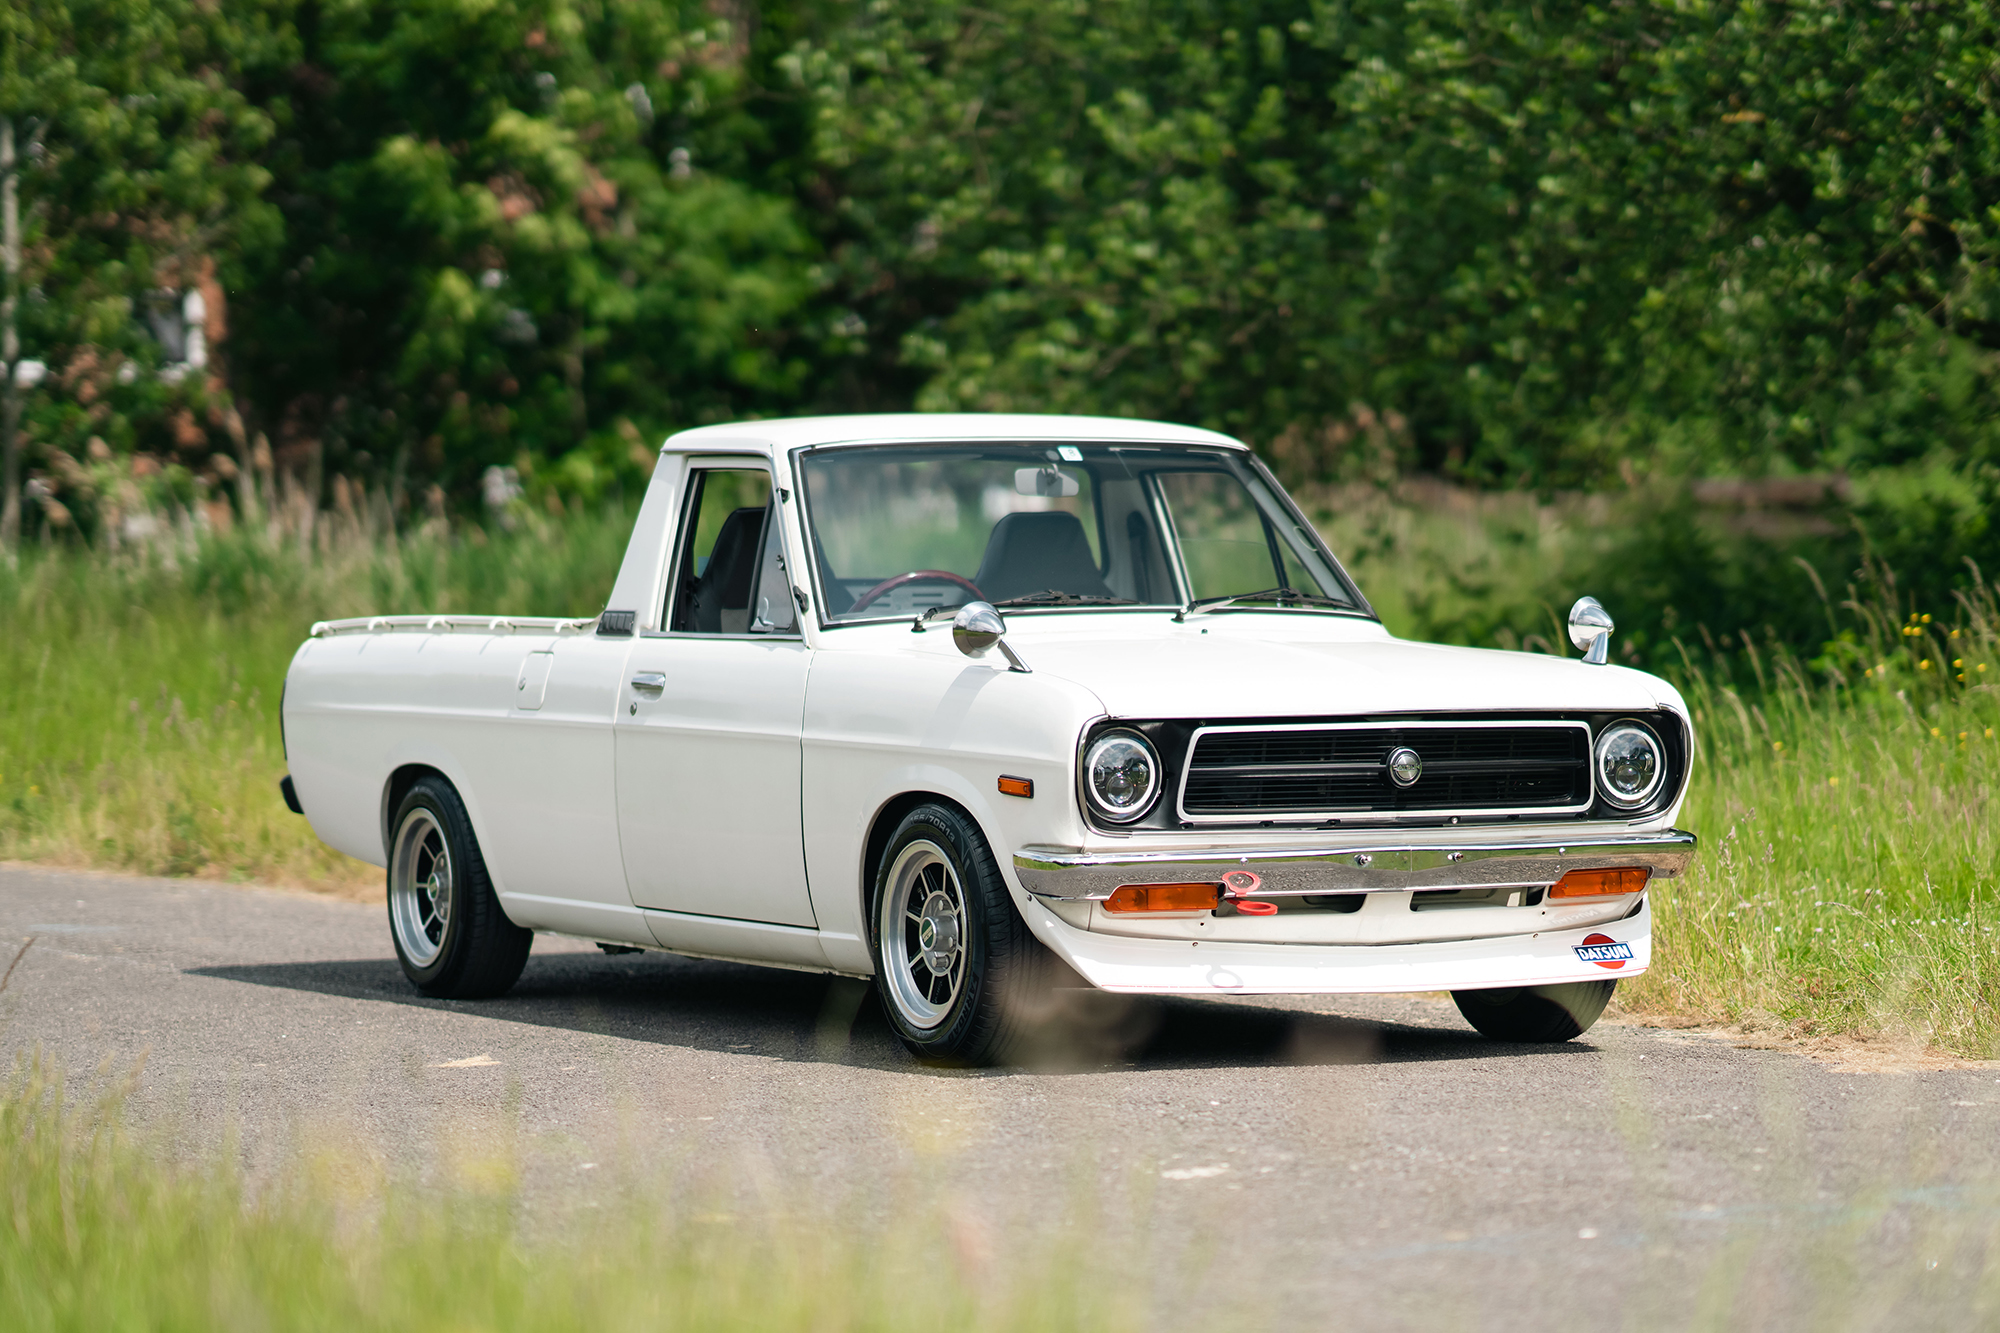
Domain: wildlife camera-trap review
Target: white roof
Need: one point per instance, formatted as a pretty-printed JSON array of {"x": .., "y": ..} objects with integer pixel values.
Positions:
[{"x": 939, "y": 428}]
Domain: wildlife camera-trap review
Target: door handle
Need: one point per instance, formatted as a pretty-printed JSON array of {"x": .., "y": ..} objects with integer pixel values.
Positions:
[{"x": 649, "y": 682}]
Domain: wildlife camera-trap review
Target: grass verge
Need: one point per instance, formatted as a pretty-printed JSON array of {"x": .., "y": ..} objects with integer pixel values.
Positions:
[
  {"x": 141, "y": 725},
  {"x": 1850, "y": 876}
]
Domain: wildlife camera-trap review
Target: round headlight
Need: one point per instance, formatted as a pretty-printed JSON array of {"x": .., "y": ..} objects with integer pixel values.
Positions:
[
  {"x": 1630, "y": 765},
  {"x": 1121, "y": 775}
]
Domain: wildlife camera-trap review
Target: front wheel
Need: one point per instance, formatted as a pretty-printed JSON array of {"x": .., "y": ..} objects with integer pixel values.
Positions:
[
  {"x": 1535, "y": 1013},
  {"x": 452, "y": 938},
  {"x": 959, "y": 973}
]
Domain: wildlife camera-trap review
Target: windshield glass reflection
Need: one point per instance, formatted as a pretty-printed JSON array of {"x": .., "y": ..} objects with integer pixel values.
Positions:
[{"x": 900, "y": 530}]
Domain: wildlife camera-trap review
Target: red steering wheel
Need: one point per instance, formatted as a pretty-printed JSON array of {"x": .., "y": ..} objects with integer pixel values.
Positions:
[{"x": 914, "y": 576}]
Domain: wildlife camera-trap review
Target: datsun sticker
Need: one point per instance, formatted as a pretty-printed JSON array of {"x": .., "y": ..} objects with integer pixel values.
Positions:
[{"x": 1604, "y": 951}]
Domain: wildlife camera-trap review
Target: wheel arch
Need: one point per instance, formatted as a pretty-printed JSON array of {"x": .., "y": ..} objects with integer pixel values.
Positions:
[
  {"x": 883, "y": 826},
  {"x": 398, "y": 786}
]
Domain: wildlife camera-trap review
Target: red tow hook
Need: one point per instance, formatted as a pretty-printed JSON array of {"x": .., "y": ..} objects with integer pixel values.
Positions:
[{"x": 1237, "y": 885}]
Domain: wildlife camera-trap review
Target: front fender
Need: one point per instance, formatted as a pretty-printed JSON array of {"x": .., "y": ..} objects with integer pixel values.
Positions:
[{"x": 920, "y": 718}]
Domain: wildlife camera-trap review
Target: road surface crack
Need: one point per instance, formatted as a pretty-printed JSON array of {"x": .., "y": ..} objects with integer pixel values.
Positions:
[{"x": 8, "y": 975}]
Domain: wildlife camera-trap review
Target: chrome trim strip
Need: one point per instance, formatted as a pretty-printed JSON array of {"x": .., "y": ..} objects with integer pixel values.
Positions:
[
  {"x": 452, "y": 625},
  {"x": 1070, "y": 874},
  {"x": 1254, "y": 817}
]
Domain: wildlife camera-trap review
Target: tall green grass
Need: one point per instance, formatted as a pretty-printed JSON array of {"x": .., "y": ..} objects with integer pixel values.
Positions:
[
  {"x": 139, "y": 729},
  {"x": 1844, "y": 793},
  {"x": 101, "y": 1231},
  {"x": 1850, "y": 880}
]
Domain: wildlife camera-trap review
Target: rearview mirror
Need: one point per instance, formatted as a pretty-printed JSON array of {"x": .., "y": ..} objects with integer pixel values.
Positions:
[{"x": 1045, "y": 481}]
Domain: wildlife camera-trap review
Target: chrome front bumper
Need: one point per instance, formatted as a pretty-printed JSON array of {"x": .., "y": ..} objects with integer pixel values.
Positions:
[{"x": 1070, "y": 875}]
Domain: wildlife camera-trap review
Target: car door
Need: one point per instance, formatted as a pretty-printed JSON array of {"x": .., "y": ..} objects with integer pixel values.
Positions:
[{"x": 708, "y": 737}]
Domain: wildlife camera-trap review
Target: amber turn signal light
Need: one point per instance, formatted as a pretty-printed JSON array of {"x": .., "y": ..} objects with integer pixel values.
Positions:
[
  {"x": 1163, "y": 898},
  {"x": 1017, "y": 786},
  {"x": 1601, "y": 883}
]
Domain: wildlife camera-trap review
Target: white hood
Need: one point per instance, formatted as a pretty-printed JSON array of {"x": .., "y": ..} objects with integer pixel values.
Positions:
[{"x": 1236, "y": 672}]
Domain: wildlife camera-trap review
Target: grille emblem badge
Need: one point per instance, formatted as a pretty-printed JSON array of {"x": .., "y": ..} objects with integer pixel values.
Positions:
[{"x": 1405, "y": 766}]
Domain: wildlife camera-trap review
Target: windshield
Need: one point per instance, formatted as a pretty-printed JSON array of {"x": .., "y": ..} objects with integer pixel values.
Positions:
[{"x": 899, "y": 530}]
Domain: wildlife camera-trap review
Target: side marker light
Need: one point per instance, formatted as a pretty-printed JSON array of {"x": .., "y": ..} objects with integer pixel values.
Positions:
[{"x": 1017, "y": 787}]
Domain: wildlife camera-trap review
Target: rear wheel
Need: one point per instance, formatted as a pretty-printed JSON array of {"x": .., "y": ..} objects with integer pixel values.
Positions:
[
  {"x": 1535, "y": 1013},
  {"x": 451, "y": 936},
  {"x": 961, "y": 977}
]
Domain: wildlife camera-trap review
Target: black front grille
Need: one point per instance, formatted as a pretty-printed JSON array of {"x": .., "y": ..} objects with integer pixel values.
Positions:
[{"x": 1338, "y": 770}]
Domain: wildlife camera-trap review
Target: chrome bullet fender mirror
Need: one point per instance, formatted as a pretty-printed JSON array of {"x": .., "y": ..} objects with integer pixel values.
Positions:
[
  {"x": 1590, "y": 630},
  {"x": 978, "y": 627}
]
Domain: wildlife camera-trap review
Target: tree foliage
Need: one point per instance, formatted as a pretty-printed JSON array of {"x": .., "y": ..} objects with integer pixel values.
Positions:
[
  {"x": 1553, "y": 239},
  {"x": 1555, "y": 244},
  {"x": 140, "y": 175},
  {"x": 503, "y": 238}
]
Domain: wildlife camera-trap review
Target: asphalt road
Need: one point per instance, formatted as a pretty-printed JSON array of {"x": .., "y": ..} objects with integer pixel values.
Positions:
[{"x": 1341, "y": 1162}]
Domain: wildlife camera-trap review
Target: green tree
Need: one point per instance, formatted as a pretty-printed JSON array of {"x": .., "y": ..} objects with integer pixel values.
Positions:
[
  {"x": 508, "y": 241},
  {"x": 1527, "y": 242},
  {"x": 136, "y": 179}
]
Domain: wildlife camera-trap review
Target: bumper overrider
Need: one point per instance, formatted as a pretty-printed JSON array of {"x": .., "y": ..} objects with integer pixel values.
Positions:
[{"x": 1062, "y": 874}]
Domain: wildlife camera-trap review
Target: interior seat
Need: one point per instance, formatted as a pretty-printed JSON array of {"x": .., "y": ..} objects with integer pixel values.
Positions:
[
  {"x": 721, "y": 601},
  {"x": 1036, "y": 552}
]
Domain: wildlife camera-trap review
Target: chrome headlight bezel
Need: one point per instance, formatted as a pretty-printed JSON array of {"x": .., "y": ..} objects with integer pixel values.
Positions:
[
  {"x": 1611, "y": 794},
  {"x": 1099, "y": 805}
]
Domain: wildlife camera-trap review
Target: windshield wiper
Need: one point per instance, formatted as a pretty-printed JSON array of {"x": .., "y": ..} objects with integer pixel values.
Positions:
[
  {"x": 1047, "y": 597},
  {"x": 1057, "y": 597},
  {"x": 1281, "y": 595}
]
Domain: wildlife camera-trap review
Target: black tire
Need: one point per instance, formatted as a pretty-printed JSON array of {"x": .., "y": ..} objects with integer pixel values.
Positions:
[
  {"x": 469, "y": 950},
  {"x": 1004, "y": 994},
  {"x": 1535, "y": 1013}
]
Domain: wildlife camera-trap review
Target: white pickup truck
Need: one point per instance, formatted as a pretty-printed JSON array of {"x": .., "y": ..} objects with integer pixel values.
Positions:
[{"x": 942, "y": 700}]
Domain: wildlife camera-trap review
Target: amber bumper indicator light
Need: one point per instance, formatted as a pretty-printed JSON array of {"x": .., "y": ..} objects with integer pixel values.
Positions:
[
  {"x": 1163, "y": 898},
  {"x": 1601, "y": 883}
]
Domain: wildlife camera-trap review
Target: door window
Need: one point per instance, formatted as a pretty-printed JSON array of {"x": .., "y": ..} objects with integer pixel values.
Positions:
[{"x": 730, "y": 572}]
